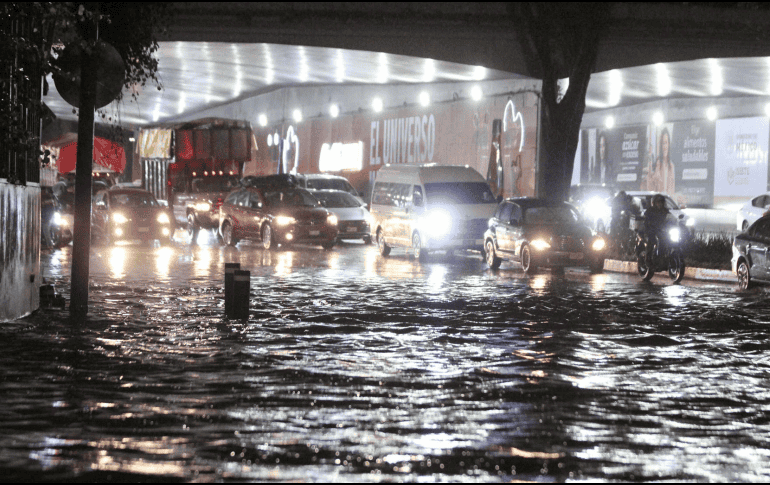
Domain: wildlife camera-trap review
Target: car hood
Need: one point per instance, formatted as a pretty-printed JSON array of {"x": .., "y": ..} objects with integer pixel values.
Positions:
[
  {"x": 302, "y": 213},
  {"x": 349, "y": 213}
]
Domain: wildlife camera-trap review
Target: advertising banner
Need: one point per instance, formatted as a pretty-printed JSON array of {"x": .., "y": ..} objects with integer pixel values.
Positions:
[
  {"x": 687, "y": 149},
  {"x": 740, "y": 158}
]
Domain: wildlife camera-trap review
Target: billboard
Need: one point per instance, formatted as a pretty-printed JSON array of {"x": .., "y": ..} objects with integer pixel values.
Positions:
[{"x": 741, "y": 158}]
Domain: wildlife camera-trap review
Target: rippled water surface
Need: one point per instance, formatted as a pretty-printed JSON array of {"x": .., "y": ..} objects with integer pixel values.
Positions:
[{"x": 355, "y": 368}]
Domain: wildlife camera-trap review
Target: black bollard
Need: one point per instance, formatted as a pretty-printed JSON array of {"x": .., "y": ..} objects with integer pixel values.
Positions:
[
  {"x": 230, "y": 269},
  {"x": 241, "y": 290}
]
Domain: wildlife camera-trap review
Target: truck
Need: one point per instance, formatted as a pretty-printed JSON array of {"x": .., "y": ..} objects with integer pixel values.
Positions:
[{"x": 192, "y": 166}]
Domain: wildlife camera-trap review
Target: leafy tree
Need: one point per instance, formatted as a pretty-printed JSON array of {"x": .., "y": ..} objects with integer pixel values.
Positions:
[
  {"x": 560, "y": 42},
  {"x": 34, "y": 34}
]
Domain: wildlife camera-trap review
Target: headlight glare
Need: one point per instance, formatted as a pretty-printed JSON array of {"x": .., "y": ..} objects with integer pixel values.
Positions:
[
  {"x": 598, "y": 244},
  {"x": 119, "y": 218},
  {"x": 540, "y": 244},
  {"x": 332, "y": 220},
  {"x": 57, "y": 219},
  {"x": 436, "y": 223},
  {"x": 674, "y": 234},
  {"x": 284, "y": 220},
  {"x": 203, "y": 206},
  {"x": 163, "y": 218}
]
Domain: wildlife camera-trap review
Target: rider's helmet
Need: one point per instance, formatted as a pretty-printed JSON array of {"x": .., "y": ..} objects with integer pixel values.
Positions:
[{"x": 658, "y": 198}]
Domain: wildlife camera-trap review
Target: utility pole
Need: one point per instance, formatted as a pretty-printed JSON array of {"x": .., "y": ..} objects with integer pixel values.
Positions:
[{"x": 81, "y": 245}]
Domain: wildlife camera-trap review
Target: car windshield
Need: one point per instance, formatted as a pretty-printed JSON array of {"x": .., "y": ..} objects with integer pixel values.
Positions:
[
  {"x": 329, "y": 184},
  {"x": 337, "y": 200},
  {"x": 214, "y": 184},
  {"x": 670, "y": 204},
  {"x": 459, "y": 193},
  {"x": 550, "y": 215},
  {"x": 133, "y": 200},
  {"x": 289, "y": 198}
]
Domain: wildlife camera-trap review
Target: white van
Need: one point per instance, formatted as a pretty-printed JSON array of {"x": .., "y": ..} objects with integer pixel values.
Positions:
[{"x": 430, "y": 207}]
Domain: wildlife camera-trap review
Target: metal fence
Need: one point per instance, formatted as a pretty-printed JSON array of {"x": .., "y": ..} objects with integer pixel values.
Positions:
[{"x": 20, "y": 95}]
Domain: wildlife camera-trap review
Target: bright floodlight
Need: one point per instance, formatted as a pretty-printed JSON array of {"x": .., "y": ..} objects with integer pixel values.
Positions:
[
  {"x": 767, "y": 109},
  {"x": 377, "y": 104},
  {"x": 476, "y": 93},
  {"x": 262, "y": 120},
  {"x": 609, "y": 122},
  {"x": 297, "y": 115},
  {"x": 657, "y": 118},
  {"x": 334, "y": 110},
  {"x": 424, "y": 98},
  {"x": 711, "y": 113}
]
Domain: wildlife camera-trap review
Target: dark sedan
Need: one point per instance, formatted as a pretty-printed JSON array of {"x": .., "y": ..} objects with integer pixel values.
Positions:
[
  {"x": 750, "y": 261},
  {"x": 276, "y": 215},
  {"x": 537, "y": 232},
  {"x": 130, "y": 214}
]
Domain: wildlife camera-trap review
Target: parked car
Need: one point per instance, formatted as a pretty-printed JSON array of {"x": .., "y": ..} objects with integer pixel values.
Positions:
[
  {"x": 320, "y": 181},
  {"x": 354, "y": 221},
  {"x": 594, "y": 201},
  {"x": 130, "y": 214},
  {"x": 752, "y": 210},
  {"x": 751, "y": 261},
  {"x": 539, "y": 232},
  {"x": 276, "y": 213}
]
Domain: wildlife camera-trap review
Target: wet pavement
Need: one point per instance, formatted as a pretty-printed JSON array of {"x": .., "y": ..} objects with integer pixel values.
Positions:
[{"x": 353, "y": 367}]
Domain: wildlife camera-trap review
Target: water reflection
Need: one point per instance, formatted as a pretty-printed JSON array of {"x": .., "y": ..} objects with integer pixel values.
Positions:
[{"x": 353, "y": 365}]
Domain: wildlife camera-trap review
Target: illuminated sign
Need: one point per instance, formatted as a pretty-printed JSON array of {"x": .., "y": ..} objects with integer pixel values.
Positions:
[
  {"x": 341, "y": 156},
  {"x": 403, "y": 140},
  {"x": 511, "y": 116}
]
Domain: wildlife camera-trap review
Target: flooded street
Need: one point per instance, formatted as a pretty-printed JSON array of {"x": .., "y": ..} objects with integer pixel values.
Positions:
[{"x": 353, "y": 367}]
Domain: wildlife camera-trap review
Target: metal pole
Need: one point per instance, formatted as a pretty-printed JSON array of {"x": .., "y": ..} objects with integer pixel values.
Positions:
[{"x": 81, "y": 244}]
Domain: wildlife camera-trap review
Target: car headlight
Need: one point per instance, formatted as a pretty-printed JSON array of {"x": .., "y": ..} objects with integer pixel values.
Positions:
[
  {"x": 332, "y": 220},
  {"x": 596, "y": 208},
  {"x": 540, "y": 244},
  {"x": 436, "y": 223},
  {"x": 690, "y": 222},
  {"x": 119, "y": 218},
  {"x": 163, "y": 219},
  {"x": 284, "y": 220},
  {"x": 203, "y": 206},
  {"x": 57, "y": 219},
  {"x": 598, "y": 244},
  {"x": 674, "y": 234}
]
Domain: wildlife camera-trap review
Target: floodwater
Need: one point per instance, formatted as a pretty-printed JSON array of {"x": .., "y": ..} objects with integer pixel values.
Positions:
[{"x": 352, "y": 367}]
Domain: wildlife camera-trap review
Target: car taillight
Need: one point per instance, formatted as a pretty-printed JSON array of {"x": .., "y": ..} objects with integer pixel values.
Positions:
[{"x": 217, "y": 204}]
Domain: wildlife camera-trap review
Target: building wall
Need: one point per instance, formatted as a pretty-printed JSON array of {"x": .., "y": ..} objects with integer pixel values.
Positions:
[{"x": 20, "y": 277}]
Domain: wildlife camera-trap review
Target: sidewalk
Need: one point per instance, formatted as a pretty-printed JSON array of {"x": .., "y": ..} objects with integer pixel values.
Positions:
[{"x": 617, "y": 266}]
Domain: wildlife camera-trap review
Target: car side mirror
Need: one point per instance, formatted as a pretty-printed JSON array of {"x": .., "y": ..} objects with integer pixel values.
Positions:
[
  {"x": 417, "y": 201},
  {"x": 681, "y": 216}
]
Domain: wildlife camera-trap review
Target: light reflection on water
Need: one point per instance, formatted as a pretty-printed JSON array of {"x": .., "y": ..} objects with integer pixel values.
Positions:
[{"x": 354, "y": 367}]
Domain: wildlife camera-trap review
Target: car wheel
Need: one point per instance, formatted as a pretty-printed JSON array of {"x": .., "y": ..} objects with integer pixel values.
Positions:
[
  {"x": 227, "y": 235},
  {"x": 744, "y": 276},
  {"x": 368, "y": 240},
  {"x": 192, "y": 227},
  {"x": 526, "y": 260},
  {"x": 597, "y": 266},
  {"x": 419, "y": 253},
  {"x": 745, "y": 226},
  {"x": 491, "y": 256},
  {"x": 328, "y": 244},
  {"x": 55, "y": 238},
  {"x": 268, "y": 241},
  {"x": 676, "y": 267},
  {"x": 381, "y": 244}
]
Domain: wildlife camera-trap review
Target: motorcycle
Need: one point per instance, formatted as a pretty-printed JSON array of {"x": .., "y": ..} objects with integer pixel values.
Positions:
[{"x": 665, "y": 254}]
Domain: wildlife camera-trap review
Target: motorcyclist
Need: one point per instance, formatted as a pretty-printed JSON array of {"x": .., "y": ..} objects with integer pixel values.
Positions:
[{"x": 655, "y": 218}]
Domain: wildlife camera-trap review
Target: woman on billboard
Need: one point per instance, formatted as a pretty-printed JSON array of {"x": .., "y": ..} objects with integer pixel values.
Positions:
[{"x": 660, "y": 177}]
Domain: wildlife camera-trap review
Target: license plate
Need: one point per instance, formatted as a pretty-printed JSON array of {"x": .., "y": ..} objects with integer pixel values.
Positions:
[
  {"x": 144, "y": 229},
  {"x": 575, "y": 255},
  {"x": 315, "y": 233},
  {"x": 351, "y": 229}
]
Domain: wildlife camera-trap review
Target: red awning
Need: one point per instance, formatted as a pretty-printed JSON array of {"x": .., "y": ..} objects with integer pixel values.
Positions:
[{"x": 108, "y": 156}]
